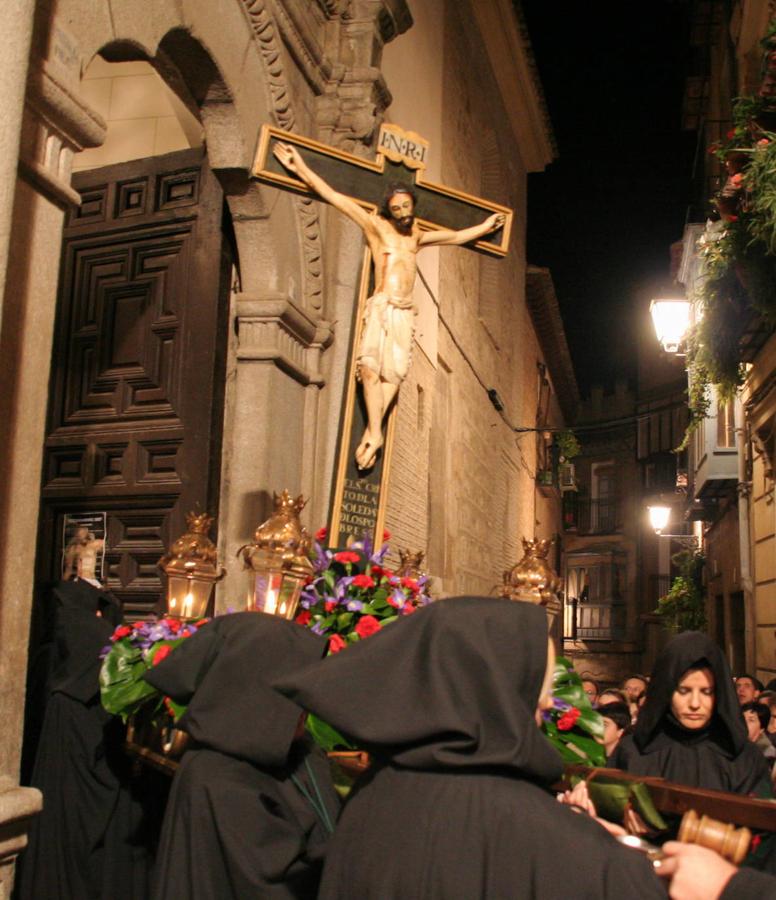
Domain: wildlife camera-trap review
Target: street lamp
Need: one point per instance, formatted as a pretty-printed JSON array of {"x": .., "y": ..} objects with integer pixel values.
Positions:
[
  {"x": 671, "y": 318},
  {"x": 658, "y": 517}
]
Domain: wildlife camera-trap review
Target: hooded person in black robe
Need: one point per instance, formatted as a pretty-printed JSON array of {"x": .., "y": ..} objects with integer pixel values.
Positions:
[
  {"x": 718, "y": 756},
  {"x": 455, "y": 804},
  {"x": 90, "y": 840},
  {"x": 252, "y": 803}
]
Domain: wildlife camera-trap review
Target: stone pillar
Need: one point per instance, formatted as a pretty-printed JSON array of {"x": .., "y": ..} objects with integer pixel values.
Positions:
[
  {"x": 17, "y": 806},
  {"x": 17, "y": 32},
  {"x": 55, "y": 124},
  {"x": 273, "y": 419}
]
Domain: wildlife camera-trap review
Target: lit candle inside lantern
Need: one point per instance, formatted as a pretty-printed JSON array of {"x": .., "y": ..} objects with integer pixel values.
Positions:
[
  {"x": 271, "y": 602},
  {"x": 188, "y": 605}
]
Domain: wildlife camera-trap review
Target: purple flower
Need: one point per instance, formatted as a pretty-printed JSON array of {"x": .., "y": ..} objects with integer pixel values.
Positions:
[
  {"x": 105, "y": 651},
  {"x": 318, "y": 627},
  {"x": 355, "y": 605},
  {"x": 157, "y": 633}
]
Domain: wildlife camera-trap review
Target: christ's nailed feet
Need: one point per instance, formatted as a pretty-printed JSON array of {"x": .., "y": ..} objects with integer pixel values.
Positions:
[{"x": 366, "y": 451}]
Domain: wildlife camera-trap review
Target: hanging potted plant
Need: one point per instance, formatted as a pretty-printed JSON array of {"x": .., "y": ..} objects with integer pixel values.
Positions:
[{"x": 738, "y": 252}]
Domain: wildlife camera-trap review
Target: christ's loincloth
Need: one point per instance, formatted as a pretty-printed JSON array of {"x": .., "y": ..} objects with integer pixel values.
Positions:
[{"x": 386, "y": 336}]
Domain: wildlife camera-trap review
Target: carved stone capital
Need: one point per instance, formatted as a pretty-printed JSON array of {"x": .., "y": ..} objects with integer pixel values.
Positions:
[
  {"x": 272, "y": 328},
  {"x": 56, "y": 124}
]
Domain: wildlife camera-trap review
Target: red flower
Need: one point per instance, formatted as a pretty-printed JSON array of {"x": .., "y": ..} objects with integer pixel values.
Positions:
[
  {"x": 386, "y": 535},
  {"x": 162, "y": 653},
  {"x": 168, "y": 705},
  {"x": 730, "y": 218},
  {"x": 336, "y": 643},
  {"x": 121, "y": 632},
  {"x": 377, "y": 571},
  {"x": 410, "y": 584},
  {"x": 408, "y": 609},
  {"x": 731, "y": 134},
  {"x": 763, "y": 142},
  {"x": 329, "y": 605},
  {"x": 367, "y": 626},
  {"x": 737, "y": 179},
  {"x": 320, "y": 534},
  {"x": 174, "y": 625},
  {"x": 567, "y": 721},
  {"x": 138, "y": 625},
  {"x": 363, "y": 581},
  {"x": 346, "y": 556},
  {"x": 387, "y": 573},
  {"x": 304, "y": 617}
]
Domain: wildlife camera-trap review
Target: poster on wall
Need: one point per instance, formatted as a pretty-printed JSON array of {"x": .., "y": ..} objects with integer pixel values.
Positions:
[{"x": 83, "y": 545}]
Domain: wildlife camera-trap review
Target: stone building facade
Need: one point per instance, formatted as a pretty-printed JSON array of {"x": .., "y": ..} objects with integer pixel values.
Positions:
[{"x": 129, "y": 133}]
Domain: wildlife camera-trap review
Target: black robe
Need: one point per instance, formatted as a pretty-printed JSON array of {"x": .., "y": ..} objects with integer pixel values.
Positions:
[
  {"x": 719, "y": 757},
  {"x": 91, "y": 839},
  {"x": 747, "y": 884},
  {"x": 455, "y": 804},
  {"x": 237, "y": 825}
]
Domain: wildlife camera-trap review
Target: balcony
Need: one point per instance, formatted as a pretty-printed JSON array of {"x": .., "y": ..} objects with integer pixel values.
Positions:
[
  {"x": 595, "y": 621},
  {"x": 586, "y": 516}
]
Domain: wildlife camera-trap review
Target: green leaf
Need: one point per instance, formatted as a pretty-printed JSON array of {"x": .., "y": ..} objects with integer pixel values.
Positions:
[{"x": 325, "y": 736}]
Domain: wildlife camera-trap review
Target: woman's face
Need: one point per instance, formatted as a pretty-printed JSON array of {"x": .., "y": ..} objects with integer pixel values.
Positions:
[{"x": 692, "y": 702}]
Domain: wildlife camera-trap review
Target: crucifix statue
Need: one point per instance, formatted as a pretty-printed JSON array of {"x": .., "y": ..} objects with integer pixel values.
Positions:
[
  {"x": 394, "y": 239},
  {"x": 400, "y": 214}
]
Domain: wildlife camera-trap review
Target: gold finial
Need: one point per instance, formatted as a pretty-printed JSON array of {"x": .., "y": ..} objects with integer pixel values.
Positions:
[{"x": 531, "y": 579}]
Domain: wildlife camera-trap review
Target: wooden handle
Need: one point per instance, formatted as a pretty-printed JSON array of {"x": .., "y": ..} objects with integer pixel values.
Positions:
[{"x": 730, "y": 842}]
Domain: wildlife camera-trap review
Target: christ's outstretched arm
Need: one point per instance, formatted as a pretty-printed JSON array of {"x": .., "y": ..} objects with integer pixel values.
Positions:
[
  {"x": 290, "y": 158},
  {"x": 442, "y": 236}
]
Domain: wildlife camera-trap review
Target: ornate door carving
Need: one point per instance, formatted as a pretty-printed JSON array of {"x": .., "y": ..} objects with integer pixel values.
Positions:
[{"x": 135, "y": 407}]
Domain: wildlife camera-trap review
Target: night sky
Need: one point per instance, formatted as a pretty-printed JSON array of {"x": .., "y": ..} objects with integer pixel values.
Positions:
[{"x": 603, "y": 216}]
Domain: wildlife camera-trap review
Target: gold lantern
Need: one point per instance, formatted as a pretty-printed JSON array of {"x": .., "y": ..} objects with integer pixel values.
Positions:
[
  {"x": 277, "y": 561},
  {"x": 192, "y": 569},
  {"x": 532, "y": 580}
]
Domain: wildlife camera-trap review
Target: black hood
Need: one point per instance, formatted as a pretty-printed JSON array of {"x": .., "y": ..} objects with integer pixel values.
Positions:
[
  {"x": 454, "y": 686},
  {"x": 688, "y": 650},
  {"x": 223, "y": 673},
  {"x": 79, "y": 636}
]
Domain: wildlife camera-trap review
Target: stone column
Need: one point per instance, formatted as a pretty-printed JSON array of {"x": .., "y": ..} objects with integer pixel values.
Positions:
[
  {"x": 55, "y": 124},
  {"x": 17, "y": 32},
  {"x": 17, "y": 806},
  {"x": 273, "y": 416}
]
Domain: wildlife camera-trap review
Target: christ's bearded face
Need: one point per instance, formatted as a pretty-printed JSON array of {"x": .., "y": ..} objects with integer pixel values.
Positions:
[{"x": 402, "y": 209}]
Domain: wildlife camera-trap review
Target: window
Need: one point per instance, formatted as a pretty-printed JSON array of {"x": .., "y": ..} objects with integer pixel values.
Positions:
[{"x": 726, "y": 424}]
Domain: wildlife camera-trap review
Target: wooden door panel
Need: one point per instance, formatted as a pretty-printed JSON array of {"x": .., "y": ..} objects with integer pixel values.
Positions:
[{"x": 135, "y": 395}]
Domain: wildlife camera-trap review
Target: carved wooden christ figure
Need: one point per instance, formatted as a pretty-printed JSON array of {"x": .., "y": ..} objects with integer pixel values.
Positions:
[{"x": 394, "y": 239}]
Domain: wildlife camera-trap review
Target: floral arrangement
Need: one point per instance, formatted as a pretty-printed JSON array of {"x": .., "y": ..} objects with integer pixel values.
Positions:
[
  {"x": 572, "y": 726},
  {"x": 133, "y": 650},
  {"x": 352, "y": 594}
]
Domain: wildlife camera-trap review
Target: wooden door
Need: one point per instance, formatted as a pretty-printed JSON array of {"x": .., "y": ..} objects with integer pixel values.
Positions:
[{"x": 135, "y": 408}]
